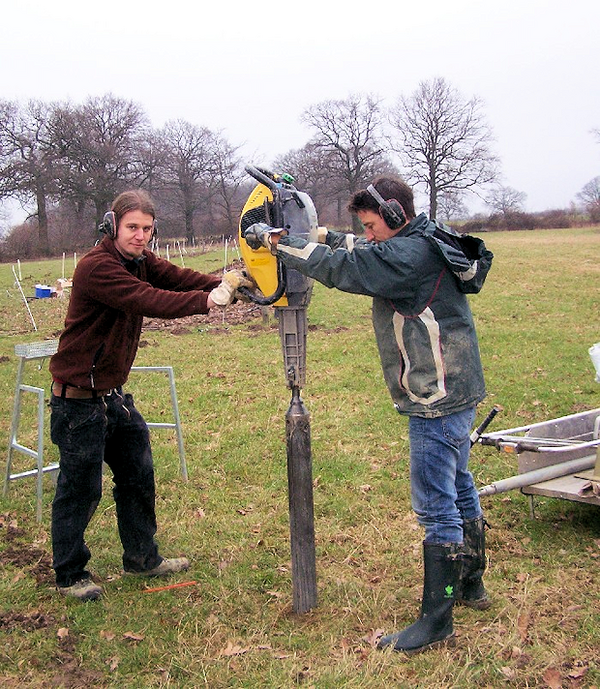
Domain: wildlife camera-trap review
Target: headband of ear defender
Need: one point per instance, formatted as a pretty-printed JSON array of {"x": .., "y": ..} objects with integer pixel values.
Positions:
[{"x": 391, "y": 211}]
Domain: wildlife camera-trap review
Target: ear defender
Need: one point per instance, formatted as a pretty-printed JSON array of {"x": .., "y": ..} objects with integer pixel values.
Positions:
[
  {"x": 108, "y": 225},
  {"x": 391, "y": 211}
]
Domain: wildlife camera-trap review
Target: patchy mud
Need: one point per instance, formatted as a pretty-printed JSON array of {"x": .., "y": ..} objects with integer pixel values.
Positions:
[
  {"x": 25, "y": 558},
  {"x": 64, "y": 667},
  {"x": 31, "y": 560},
  {"x": 10, "y": 621},
  {"x": 255, "y": 316},
  {"x": 236, "y": 314}
]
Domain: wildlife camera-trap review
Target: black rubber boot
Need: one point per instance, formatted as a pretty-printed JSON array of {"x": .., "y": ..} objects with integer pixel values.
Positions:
[
  {"x": 434, "y": 626},
  {"x": 471, "y": 591}
]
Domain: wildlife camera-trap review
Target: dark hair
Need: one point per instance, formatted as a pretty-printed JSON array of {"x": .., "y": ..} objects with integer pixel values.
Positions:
[
  {"x": 133, "y": 200},
  {"x": 389, "y": 188}
]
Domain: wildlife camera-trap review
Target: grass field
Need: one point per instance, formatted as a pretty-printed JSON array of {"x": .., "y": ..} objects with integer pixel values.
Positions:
[{"x": 536, "y": 318}]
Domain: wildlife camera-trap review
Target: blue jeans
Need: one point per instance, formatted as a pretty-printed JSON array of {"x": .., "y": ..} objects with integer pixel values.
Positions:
[
  {"x": 443, "y": 493},
  {"x": 88, "y": 432}
]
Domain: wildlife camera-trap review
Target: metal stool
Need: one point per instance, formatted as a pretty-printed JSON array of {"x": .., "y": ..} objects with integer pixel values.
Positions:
[
  {"x": 29, "y": 352},
  {"x": 177, "y": 423},
  {"x": 39, "y": 351}
]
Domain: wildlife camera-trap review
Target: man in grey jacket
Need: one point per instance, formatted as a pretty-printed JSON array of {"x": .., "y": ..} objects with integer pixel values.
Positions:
[{"x": 418, "y": 273}]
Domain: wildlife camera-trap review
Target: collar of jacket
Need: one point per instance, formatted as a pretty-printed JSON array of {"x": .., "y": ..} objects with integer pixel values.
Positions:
[
  {"x": 417, "y": 224},
  {"x": 109, "y": 245}
]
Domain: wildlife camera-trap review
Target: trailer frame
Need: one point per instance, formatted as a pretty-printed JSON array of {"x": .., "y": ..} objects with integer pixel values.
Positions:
[{"x": 558, "y": 458}]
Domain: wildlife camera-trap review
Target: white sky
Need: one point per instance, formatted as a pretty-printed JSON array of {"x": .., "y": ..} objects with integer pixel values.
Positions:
[{"x": 249, "y": 69}]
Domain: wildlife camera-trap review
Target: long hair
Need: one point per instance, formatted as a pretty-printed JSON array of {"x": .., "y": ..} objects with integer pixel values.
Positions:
[{"x": 133, "y": 200}]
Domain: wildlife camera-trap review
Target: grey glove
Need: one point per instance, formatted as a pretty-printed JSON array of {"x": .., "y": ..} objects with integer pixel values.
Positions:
[
  {"x": 260, "y": 234},
  {"x": 225, "y": 292}
]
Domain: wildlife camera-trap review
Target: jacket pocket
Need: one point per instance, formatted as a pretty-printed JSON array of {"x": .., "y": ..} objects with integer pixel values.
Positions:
[{"x": 422, "y": 375}]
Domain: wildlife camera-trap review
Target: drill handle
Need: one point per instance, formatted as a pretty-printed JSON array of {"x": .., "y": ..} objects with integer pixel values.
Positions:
[{"x": 277, "y": 294}]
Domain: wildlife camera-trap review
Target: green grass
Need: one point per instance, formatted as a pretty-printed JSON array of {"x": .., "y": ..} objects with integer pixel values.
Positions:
[{"x": 536, "y": 319}]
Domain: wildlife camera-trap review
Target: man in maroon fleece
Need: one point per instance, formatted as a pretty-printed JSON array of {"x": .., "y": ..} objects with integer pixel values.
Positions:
[{"x": 93, "y": 421}]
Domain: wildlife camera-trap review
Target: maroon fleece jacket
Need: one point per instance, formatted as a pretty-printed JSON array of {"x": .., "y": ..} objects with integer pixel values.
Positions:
[{"x": 109, "y": 299}]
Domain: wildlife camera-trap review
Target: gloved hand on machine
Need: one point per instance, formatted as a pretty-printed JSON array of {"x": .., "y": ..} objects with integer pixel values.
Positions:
[
  {"x": 261, "y": 234},
  {"x": 225, "y": 293}
]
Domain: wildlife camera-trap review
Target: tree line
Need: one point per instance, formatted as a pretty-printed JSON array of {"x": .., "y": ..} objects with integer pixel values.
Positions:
[{"x": 68, "y": 161}]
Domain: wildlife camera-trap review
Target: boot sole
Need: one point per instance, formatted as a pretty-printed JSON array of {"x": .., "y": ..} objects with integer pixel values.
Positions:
[
  {"x": 482, "y": 604},
  {"x": 93, "y": 594},
  {"x": 449, "y": 642}
]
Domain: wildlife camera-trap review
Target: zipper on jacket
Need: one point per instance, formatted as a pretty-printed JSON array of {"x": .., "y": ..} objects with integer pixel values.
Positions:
[{"x": 97, "y": 356}]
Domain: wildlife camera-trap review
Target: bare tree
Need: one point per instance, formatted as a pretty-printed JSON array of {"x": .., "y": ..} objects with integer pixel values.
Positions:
[
  {"x": 82, "y": 156},
  {"x": 444, "y": 141},
  {"x": 148, "y": 160},
  {"x": 310, "y": 167},
  {"x": 506, "y": 200},
  {"x": 103, "y": 150},
  {"x": 348, "y": 141},
  {"x": 590, "y": 196},
  {"x": 451, "y": 206},
  {"x": 189, "y": 168},
  {"x": 4, "y": 221},
  {"x": 28, "y": 153},
  {"x": 228, "y": 177}
]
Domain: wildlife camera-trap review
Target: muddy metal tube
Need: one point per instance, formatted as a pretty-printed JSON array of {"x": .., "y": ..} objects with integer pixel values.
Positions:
[
  {"x": 292, "y": 331},
  {"x": 530, "y": 477},
  {"x": 300, "y": 492}
]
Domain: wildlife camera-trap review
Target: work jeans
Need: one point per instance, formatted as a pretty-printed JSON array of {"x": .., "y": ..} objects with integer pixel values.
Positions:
[
  {"x": 88, "y": 432},
  {"x": 443, "y": 493}
]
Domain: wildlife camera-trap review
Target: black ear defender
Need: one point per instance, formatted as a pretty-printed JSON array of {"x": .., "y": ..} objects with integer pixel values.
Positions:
[
  {"x": 391, "y": 210},
  {"x": 109, "y": 226}
]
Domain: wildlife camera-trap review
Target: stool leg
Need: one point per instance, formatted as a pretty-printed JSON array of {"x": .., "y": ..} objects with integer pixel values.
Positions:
[
  {"x": 178, "y": 425},
  {"x": 40, "y": 455},
  {"x": 14, "y": 428}
]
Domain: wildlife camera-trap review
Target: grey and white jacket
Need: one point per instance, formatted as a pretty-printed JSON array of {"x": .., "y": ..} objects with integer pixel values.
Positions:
[{"x": 423, "y": 324}]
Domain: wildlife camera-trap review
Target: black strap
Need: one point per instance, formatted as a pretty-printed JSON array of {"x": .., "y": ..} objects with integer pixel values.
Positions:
[{"x": 64, "y": 386}]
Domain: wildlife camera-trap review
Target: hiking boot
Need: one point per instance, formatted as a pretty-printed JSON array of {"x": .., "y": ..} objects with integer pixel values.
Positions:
[
  {"x": 166, "y": 567},
  {"x": 83, "y": 590}
]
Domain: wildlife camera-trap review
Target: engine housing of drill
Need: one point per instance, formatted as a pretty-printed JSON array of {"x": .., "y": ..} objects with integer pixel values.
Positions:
[{"x": 276, "y": 202}]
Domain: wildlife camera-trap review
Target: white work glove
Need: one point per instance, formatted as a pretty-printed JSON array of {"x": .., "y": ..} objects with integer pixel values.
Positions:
[
  {"x": 322, "y": 234},
  {"x": 224, "y": 293}
]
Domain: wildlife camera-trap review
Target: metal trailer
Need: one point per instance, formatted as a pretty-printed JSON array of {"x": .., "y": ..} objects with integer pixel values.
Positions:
[{"x": 559, "y": 458}]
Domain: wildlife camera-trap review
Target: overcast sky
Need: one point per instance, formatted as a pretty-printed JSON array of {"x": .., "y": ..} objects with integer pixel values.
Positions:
[{"x": 249, "y": 69}]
